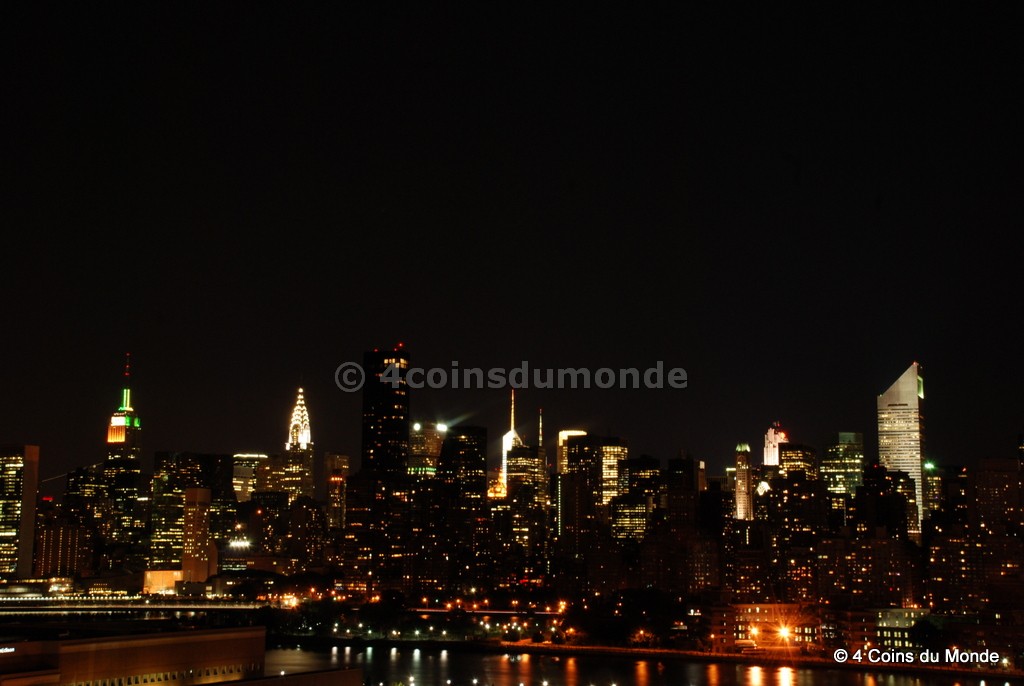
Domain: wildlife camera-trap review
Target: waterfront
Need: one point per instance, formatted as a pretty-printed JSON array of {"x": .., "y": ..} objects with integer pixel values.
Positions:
[
  {"x": 429, "y": 667},
  {"x": 444, "y": 662}
]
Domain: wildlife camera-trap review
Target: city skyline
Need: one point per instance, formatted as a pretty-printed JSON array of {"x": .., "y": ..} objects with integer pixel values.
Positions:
[
  {"x": 52, "y": 484},
  {"x": 217, "y": 218}
]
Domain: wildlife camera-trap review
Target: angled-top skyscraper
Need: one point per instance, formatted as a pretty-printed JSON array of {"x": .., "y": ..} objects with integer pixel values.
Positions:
[{"x": 900, "y": 433}]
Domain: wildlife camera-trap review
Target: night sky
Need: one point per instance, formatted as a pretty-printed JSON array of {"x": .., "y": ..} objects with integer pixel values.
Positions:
[{"x": 792, "y": 207}]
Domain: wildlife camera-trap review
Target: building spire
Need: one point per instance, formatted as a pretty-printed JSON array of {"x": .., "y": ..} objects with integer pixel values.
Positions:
[
  {"x": 126, "y": 390},
  {"x": 540, "y": 427},
  {"x": 299, "y": 437},
  {"x": 512, "y": 423},
  {"x": 124, "y": 425}
]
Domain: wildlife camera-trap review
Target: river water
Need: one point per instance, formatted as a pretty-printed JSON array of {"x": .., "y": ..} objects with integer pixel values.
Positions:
[{"x": 416, "y": 667}]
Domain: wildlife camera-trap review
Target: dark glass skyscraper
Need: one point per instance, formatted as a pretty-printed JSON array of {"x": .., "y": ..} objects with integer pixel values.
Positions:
[
  {"x": 462, "y": 482},
  {"x": 385, "y": 445}
]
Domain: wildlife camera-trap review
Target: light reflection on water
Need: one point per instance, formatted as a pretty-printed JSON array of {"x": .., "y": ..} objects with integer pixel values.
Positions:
[{"x": 428, "y": 667}]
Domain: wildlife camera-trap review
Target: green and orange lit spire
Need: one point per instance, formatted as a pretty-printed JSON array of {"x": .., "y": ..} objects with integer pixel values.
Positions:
[{"x": 124, "y": 424}]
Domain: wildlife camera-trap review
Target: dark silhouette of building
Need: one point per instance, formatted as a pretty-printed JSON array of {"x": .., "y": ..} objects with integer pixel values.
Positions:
[
  {"x": 462, "y": 483},
  {"x": 385, "y": 439}
]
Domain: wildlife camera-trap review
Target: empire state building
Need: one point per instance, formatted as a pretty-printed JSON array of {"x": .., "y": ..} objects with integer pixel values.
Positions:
[{"x": 122, "y": 469}]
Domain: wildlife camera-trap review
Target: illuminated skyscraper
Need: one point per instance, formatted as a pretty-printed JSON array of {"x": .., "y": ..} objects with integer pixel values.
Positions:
[
  {"x": 122, "y": 470},
  {"x": 842, "y": 469},
  {"x": 744, "y": 503},
  {"x": 175, "y": 473},
  {"x": 640, "y": 481},
  {"x": 19, "y": 479},
  {"x": 772, "y": 439},
  {"x": 299, "y": 436},
  {"x": 385, "y": 440},
  {"x": 597, "y": 458},
  {"x": 525, "y": 468},
  {"x": 425, "y": 447},
  {"x": 561, "y": 465},
  {"x": 296, "y": 470},
  {"x": 933, "y": 476},
  {"x": 246, "y": 466},
  {"x": 509, "y": 441},
  {"x": 64, "y": 545},
  {"x": 199, "y": 554},
  {"x": 521, "y": 521},
  {"x": 797, "y": 457},
  {"x": 900, "y": 434},
  {"x": 337, "y": 469}
]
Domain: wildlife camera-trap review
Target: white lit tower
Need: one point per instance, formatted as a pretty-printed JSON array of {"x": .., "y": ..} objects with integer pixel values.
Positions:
[
  {"x": 509, "y": 441},
  {"x": 772, "y": 439},
  {"x": 295, "y": 475},
  {"x": 744, "y": 506},
  {"x": 900, "y": 433}
]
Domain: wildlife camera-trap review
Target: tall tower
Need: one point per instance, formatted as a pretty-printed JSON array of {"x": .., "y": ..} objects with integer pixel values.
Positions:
[
  {"x": 296, "y": 470},
  {"x": 199, "y": 553},
  {"x": 385, "y": 441},
  {"x": 122, "y": 469},
  {"x": 336, "y": 467},
  {"x": 772, "y": 439},
  {"x": 744, "y": 502},
  {"x": 19, "y": 480},
  {"x": 462, "y": 481},
  {"x": 509, "y": 441},
  {"x": 525, "y": 468},
  {"x": 900, "y": 427}
]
